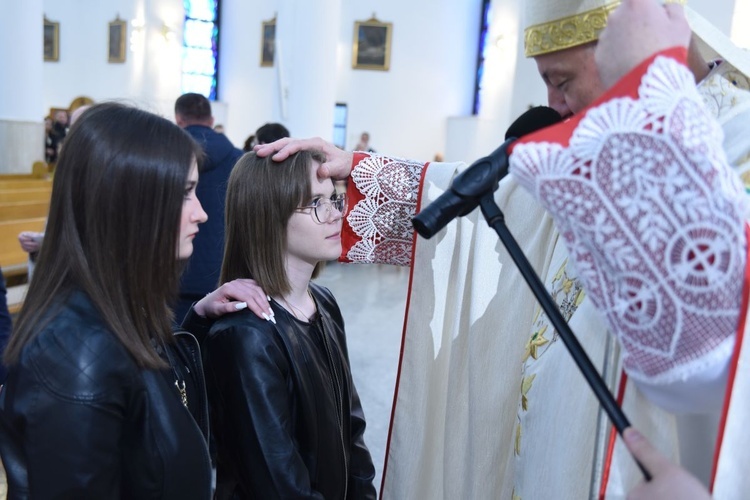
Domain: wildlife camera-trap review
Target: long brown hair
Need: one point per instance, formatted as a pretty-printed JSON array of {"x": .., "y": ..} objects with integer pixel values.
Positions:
[
  {"x": 113, "y": 228},
  {"x": 262, "y": 195}
]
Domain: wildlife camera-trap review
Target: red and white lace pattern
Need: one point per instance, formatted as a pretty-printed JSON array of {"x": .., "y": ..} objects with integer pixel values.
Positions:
[
  {"x": 652, "y": 216},
  {"x": 382, "y": 220}
]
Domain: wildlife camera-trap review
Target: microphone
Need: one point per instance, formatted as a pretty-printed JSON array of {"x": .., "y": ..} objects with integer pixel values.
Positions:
[
  {"x": 533, "y": 119},
  {"x": 482, "y": 177}
]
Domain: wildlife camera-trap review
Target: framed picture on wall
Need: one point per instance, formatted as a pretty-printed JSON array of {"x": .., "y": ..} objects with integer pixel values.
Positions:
[
  {"x": 372, "y": 45},
  {"x": 51, "y": 40},
  {"x": 118, "y": 30},
  {"x": 268, "y": 42}
]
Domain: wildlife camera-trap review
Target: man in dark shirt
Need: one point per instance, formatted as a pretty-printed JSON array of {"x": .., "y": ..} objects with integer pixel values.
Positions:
[{"x": 193, "y": 113}]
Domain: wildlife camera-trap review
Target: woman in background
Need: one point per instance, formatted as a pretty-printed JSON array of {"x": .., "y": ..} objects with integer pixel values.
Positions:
[
  {"x": 285, "y": 413},
  {"x": 102, "y": 400}
]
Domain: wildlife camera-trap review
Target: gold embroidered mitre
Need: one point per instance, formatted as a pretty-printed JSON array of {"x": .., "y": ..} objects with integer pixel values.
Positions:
[{"x": 552, "y": 25}]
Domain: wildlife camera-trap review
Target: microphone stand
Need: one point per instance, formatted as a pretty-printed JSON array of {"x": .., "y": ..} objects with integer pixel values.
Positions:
[{"x": 496, "y": 219}]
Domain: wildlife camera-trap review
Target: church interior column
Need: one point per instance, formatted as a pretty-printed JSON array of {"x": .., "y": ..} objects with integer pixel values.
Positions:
[
  {"x": 306, "y": 44},
  {"x": 22, "y": 87}
]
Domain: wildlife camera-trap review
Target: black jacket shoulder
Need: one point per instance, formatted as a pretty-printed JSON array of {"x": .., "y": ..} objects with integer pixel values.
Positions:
[
  {"x": 77, "y": 358},
  {"x": 80, "y": 419}
]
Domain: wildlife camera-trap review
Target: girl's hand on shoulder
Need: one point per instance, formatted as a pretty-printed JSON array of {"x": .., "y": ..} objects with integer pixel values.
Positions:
[{"x": 235, "y": 296}]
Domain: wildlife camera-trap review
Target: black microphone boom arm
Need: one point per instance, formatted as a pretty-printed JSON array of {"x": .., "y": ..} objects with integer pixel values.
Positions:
[{"x": 467, "y": 189}]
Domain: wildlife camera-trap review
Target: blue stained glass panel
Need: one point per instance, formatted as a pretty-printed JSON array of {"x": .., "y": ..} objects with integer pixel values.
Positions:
[
  {"x": 196, "y": 60},
  {"x": 200, "y": 47},
  {"x": 481, "y": 55},
  {"x": 339, "y": 115},
  {"x": 339, "y": 137},
  {"x": 339, "y": 124},
  {"x": 200, "y": 84},
  {"x": 199, "y": 34},
  {"x": 201, "y": 9}
]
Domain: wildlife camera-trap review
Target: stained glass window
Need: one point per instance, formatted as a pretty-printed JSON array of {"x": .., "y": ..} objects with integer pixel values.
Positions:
[
  {"x": 200, "y": 54},
  {"x": 339, "y": 125},
  {"x": 483, "y": 28}
]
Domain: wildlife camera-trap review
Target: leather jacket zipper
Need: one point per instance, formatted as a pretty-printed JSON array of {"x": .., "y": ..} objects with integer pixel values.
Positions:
[
  {"x": 200, "y": 383},
  {"x": 336, "y": 382}
]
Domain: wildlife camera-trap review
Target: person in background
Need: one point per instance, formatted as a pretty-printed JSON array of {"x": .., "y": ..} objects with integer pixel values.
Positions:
[
  {"x": 270, "y": 132},
  {"x": 201, "y": 275},
  {"x": 219, "y": 129},
  {"x": 78, "y": 112},
  {"x": 59, "y": 129},
  {"x": 6, "y": 324},
  {"x": 55, "y": 129},
  {"x": 31, "y": 241},
  {"x": 364, "y": 143},
  {"x": 102, "y": 400},
  {"x": 50, "y": 148},
  {"x": 286, "y": 416},
  {"x": 249, "y": 144}
]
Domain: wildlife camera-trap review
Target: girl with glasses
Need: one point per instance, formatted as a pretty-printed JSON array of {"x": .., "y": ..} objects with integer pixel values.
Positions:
[{"x": 285, "y": 413}]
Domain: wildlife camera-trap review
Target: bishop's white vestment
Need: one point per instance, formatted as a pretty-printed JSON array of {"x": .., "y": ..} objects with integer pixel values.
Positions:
[{"x": 488, "y": 403}]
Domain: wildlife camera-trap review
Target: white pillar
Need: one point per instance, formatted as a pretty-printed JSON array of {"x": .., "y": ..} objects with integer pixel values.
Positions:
[
  {"x": 22, "y": 85},
  {"x": 306, "y": 37}
]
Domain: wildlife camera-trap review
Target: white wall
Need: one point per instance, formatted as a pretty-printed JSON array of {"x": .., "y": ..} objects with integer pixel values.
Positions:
[
  {"x": 150, "y": 75},
  {"x": 250, "y": 91},
  {"x": 404, "y": 109},
  {"x": 433, "y": 68},
  {"x": 420, "y": 107},
  {"x": 510, "y": 86}
]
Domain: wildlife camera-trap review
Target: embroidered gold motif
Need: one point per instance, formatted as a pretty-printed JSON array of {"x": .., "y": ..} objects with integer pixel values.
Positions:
[
  {"x": 570, "y": 31},
  {"x": 579, "y": 298},
  {"x": 536, "y": 340},
  {"x": 526, "y": 384},
  {"x": 517, "y": 448},
  {"x": 724, "y": 89},
  {"x": 745, "y": 176},
  {"x": 736, "y": 78},
  {"x": 568, "y": 294},
  {"x": 567, "y": 32}
]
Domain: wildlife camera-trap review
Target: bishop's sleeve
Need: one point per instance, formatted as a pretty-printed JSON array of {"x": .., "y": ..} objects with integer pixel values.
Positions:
[
  {"x": 652, "y": 215},
  {"x": 382, "y": 194}
]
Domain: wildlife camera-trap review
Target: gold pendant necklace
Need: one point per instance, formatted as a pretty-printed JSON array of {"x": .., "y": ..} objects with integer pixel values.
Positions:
[{"x": 295, "y": 311}]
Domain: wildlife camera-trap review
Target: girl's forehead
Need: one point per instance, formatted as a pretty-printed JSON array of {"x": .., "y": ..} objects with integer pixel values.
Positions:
[
  {"x": 317, "y": 184},
  {"x": 193, "y": 170}
]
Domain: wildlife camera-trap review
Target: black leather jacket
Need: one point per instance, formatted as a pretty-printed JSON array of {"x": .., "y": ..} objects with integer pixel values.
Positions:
[
  {"x": 285, "y": 413},
  {"x": 79, "y": 419}
]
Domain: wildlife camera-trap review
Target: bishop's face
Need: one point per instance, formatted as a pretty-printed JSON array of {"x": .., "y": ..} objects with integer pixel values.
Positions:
[{"x": 571, "y": 77}]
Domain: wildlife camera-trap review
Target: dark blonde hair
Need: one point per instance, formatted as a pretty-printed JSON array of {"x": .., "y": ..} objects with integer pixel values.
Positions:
[
  {"x": 262, "y": 195},
  {"x": 113, "y": 228}
]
